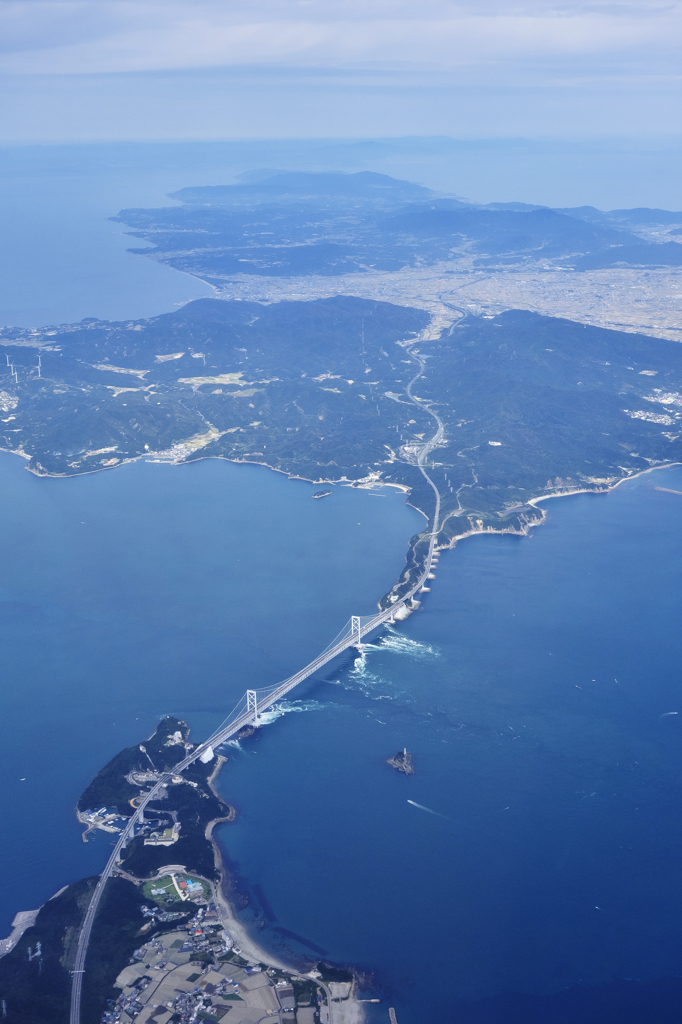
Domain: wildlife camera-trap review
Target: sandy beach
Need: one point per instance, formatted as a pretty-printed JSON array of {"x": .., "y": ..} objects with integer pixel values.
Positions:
[{"x": 347, "y": 1011}]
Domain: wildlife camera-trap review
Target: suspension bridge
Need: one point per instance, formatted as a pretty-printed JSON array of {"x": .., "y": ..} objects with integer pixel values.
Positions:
[{"x": 254, "y": 702}]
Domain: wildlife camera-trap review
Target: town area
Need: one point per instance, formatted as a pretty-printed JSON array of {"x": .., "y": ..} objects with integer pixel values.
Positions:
[{"x": 196, "y": 973}]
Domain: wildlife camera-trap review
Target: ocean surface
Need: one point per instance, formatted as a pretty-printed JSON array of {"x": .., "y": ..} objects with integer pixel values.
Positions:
[
  {"x": 538, "y": 846},
  {"x": 157, "y": 590},
  {"x": 62, "y": 258},
  {"x": 530, "y": 871}
]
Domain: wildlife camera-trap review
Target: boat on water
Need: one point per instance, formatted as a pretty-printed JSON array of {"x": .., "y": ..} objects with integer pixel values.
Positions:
[{"x": 321, "y": 494}]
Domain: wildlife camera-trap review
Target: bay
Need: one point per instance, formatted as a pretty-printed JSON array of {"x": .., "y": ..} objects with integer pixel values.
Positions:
[{"x": 63, "y": 259}]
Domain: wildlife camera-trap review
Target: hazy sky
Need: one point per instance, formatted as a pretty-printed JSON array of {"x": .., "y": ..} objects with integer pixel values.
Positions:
[{"x": 334, "y": 68}]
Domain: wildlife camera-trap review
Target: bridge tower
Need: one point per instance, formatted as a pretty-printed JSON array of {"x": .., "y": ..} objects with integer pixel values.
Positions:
[
  {"x": 355, "y": 630},
  {"x": 252, "y": 704}
]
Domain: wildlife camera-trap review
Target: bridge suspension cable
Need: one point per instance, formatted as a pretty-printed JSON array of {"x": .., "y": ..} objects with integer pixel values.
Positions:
[{"x": 252, "y": 703}]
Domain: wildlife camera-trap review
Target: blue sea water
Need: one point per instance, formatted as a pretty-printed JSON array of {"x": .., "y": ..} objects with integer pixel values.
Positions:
[
  {"x": 62, "y": 258},
  {"x": 540, "y": 692},
  {"x": 536, "y": 848}
]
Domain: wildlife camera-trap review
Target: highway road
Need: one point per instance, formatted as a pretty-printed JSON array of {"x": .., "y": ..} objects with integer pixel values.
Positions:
[{"x": 247, "y": 716}]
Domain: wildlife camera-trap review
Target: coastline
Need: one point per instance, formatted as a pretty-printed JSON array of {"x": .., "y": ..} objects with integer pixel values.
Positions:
[
  {"x": 597, "y": 489},
  {"x": 608, "y": 487},
  {"x": 250, "y": 949},
  {"x": 362, "y": 483},
  {"x": 491, "y": 530},
  {"x": 349, "y": 1011}
]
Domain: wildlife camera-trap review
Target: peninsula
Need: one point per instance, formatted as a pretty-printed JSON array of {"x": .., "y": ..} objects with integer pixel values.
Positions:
[{"x": 167, "y": 946}]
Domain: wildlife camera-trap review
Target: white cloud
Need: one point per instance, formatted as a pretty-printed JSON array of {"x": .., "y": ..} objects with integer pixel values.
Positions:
[
  {"x": 265, "y": 68},
  {"x": 56, "y": 37}
]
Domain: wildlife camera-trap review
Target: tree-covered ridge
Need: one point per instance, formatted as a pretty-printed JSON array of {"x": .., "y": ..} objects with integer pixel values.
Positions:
[
  {"x": 530, "y": 404},
  {"x": 536, "y": 405},
  {"x": 110, "y": 788},
  {"x": 194, "y": 803},
  {"x": 279, "y": 384}
]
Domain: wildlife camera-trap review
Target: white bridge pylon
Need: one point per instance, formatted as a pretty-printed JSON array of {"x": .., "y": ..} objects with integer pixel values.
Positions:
[
  {"x": 356, "y": 630},
  {"x": 254, "y": 702}
]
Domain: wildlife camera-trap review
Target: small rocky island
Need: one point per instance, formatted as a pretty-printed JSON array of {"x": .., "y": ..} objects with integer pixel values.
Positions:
[{"x": 402, "y": 761}]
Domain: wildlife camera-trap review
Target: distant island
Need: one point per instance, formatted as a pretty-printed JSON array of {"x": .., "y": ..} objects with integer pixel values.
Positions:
[{"x": 330, "y": 225}]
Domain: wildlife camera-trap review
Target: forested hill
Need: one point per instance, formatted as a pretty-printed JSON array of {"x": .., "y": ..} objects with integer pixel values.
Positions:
[{"x": 531, "y": 405}]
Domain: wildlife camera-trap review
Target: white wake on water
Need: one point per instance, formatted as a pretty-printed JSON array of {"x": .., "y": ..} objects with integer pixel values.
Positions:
[
  {"x": 428, "y": 810},
  {"x": 397, "y": 643},
  {"x": 286, "y": 707},
  {"x": 361, "y": 676}
]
